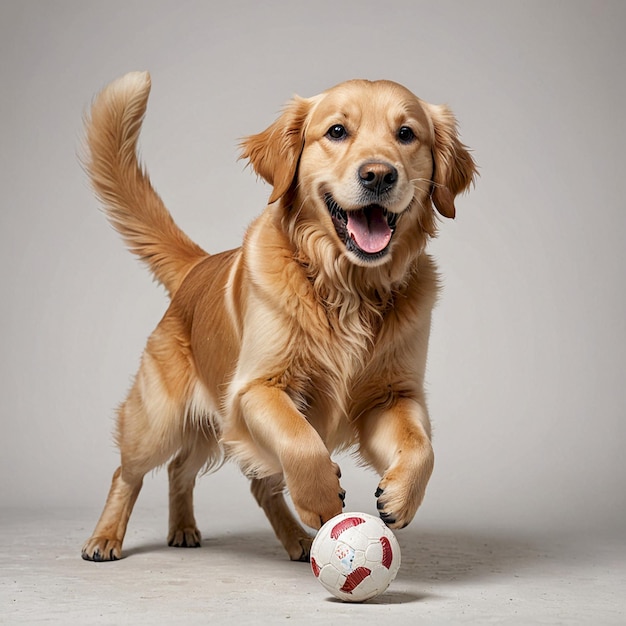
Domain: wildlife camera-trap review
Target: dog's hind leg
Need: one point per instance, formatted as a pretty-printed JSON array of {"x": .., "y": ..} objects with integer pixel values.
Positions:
[
  {"x": 149, "y": 433},
  {"x": 268, "y": 492},
  {"x": 183, "y": 531},
  {"x": 106, "y": 542},
  {"x": 138, "y": 458}
]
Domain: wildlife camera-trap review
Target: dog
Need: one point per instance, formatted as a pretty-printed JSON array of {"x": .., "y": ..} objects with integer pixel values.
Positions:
[{"x": 311, "y": 337}]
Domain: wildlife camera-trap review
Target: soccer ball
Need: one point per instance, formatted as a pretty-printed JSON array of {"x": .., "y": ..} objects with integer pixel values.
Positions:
[{"x": 355, "y": 556}]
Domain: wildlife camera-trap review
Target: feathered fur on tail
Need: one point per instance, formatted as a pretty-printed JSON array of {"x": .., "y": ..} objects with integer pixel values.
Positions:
[{"x": 131, "y": 204}]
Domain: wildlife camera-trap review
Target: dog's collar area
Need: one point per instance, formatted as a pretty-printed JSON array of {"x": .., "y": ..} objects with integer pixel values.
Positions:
[{"x": 367, "y": 231}]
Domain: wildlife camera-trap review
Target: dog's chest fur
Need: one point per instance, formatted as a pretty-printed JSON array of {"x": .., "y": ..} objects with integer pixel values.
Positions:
[{"x": 329, "y": 360}]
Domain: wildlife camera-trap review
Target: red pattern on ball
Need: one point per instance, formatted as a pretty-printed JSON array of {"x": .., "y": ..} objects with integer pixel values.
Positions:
[
  {"x": 355, "y": 578},
  {"x": 387, "y": 552},
  {"x": 315, "y": 567},
  {"x": 343, "y": 525}
]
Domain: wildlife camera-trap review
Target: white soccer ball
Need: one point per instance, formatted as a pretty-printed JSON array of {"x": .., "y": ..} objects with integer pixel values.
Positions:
[{"x": 355, "y": 556}]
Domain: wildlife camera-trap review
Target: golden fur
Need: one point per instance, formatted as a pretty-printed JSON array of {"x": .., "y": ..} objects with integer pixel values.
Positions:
[{"x": 311, "y": 337}]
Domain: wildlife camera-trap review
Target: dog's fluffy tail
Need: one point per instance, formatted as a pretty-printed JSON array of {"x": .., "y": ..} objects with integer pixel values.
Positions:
[{"x": 131, "y": 204}]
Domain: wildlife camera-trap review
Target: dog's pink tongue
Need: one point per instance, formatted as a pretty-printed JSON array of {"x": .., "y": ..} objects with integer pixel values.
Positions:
[{"x": 369, "y": 229}]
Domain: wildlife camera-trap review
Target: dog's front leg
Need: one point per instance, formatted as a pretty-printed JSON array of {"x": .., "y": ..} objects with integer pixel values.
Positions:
[
  {"x": 281, "y": 430},
  {"x": 396, "y": 442}
]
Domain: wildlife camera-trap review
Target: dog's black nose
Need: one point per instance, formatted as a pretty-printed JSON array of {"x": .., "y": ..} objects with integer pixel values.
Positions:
[{"x": 378, "y": 176}]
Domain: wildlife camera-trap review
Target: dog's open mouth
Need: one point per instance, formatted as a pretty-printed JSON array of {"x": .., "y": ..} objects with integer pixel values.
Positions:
[{"x": 366, "y": 231}]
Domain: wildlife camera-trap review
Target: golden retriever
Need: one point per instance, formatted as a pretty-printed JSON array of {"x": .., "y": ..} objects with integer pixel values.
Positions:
[{"x": 309, "y": 338}]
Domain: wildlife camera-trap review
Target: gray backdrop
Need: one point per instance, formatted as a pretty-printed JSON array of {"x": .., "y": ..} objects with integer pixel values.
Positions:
[{"x": 526, "y": 368}]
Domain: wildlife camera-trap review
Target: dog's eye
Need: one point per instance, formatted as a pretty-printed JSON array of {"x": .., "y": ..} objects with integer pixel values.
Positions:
[
  {"x": 406, "y": 135},
  {"x": 337, "y": 132}
]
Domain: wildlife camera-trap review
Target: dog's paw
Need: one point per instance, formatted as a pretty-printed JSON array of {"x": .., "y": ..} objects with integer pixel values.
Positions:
[
  {"x": 317, "y": 496},
  {"x": 401, "y": 491},
  {"x": 315, "y": 516},
  {"x": 301, "y": 551},
  {"x": 392, "y": 512},
  {"x": 184, "y": 538},
  {"x": 100, "y": 549}
]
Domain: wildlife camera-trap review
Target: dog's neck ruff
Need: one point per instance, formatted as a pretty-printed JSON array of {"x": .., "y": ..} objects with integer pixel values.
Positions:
[{"x": 340, "y": 285}]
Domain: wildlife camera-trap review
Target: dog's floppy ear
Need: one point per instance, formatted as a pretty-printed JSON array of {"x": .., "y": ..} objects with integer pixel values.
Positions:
[
  {"x": 274, "y": 153},
  {"x": 454, "y": 166}
]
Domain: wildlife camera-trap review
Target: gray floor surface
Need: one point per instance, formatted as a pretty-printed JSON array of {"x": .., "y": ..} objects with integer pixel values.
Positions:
[{"x": 240, "y": 575}]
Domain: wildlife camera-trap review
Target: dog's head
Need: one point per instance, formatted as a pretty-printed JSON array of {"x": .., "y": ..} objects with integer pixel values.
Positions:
[{"x": 364, "y": 163}]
